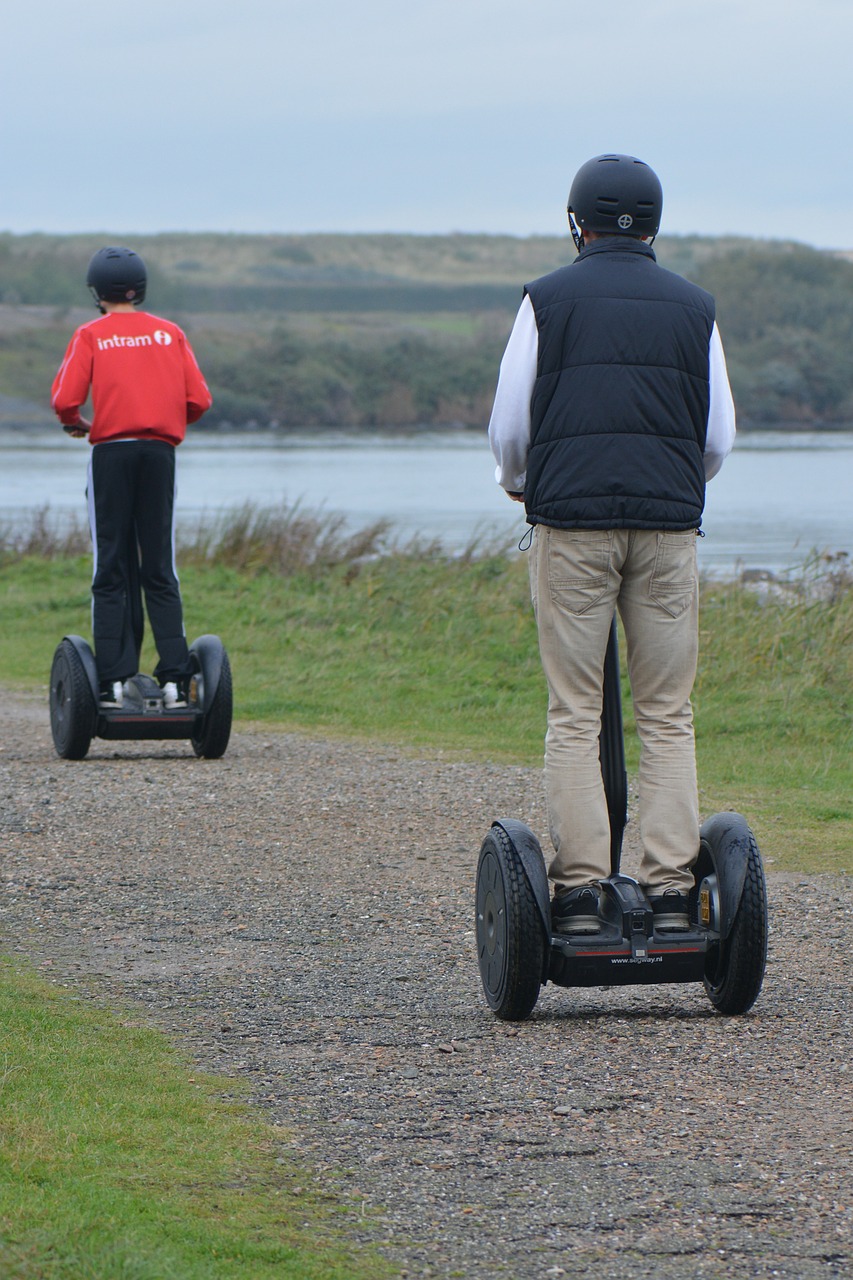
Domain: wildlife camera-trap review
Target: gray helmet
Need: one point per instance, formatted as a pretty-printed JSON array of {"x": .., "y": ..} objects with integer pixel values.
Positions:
[
  {"x": 616, "y": 196},
  {"x": 117, "y": 275}
]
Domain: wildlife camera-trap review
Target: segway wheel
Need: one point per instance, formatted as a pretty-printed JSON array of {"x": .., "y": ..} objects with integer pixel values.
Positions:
[
  {"x": 72, "y": 709},
  {"x": 735, "y": 970},
  {"x": 510, "y": 938},
  {"x": 211, "y": 737}
]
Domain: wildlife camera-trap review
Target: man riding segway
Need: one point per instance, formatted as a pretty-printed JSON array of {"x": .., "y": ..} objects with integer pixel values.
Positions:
[
  {"x": 146, "y": 387},
  {"x": 612, "y": 410}
]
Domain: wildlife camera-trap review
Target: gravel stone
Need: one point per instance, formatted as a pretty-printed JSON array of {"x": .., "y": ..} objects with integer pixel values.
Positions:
[{"x": 300, "y": 915}]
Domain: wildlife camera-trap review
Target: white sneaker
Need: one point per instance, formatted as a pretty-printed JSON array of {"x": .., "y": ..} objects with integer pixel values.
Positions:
[
  {"x": 171, "y": 698},
  {"x": 112, "y": 695}
]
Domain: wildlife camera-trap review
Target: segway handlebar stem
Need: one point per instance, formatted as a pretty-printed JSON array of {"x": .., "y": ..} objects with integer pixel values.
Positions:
[{"x": 611, "y": 749}]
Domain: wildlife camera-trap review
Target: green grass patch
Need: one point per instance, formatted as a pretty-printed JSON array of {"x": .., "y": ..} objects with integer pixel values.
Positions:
[
  {"x": 441, "y": 654},
  {"x": 120, "y": 1162},
  {"x": 774, "y": 708}
]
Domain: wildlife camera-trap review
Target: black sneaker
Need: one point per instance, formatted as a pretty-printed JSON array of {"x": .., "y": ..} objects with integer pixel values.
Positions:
[
  {"x": 576, "y": 911},
  {"x": 670, "y": 910}
]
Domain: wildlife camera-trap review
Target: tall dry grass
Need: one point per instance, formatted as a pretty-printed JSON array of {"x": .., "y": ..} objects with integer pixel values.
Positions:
[{"x": 284, "y": 540}]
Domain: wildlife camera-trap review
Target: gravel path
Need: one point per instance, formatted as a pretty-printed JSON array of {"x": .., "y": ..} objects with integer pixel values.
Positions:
[{"x": 300, "y": 914}]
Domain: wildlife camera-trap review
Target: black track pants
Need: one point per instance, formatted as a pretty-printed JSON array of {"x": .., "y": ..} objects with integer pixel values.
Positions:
[{"x": 131, "y": 515}]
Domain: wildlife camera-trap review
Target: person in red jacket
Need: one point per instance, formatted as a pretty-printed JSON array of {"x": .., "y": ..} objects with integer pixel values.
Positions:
[{"x": 145, "y": 387}]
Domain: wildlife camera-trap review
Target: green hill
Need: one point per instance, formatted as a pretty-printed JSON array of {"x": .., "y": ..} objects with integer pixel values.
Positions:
[{"x": 375, "y": 330}]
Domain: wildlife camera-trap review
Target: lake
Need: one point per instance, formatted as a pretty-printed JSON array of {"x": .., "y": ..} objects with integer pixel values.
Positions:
[{"x": 779, "y": 496}]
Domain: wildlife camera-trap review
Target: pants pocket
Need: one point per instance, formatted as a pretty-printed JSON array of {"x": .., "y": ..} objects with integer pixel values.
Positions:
[
  {"x": 674, "y": 581},
  {"x": 578, "y": 567}
]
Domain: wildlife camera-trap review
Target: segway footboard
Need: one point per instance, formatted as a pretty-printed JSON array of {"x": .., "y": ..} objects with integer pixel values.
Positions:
[
  {"x": 626, "y": 950},
  {"x": 143, "y": 715}
]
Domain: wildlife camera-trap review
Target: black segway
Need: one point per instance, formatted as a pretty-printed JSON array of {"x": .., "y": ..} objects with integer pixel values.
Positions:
[
  {"x": 725, "y": 947},
  {"x": 76, "y": 715}
]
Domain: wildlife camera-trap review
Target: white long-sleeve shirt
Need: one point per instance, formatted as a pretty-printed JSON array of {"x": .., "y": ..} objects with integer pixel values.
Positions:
[{"x": 509, "y": 425}]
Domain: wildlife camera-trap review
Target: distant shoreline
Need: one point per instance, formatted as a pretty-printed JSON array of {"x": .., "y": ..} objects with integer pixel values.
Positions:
[{"x": 36, "y": 418}]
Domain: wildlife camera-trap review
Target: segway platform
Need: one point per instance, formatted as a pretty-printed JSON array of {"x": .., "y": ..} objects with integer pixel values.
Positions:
[
  {"x": 144, "y": 714},
  {"x": 77, "y": 716},
  {"x": 626, "y": 948},
  {"x": 725, "y": 947}
]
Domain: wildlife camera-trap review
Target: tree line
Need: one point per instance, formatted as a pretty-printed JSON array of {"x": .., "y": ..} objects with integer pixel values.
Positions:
[{"x": 375, "y": 331}]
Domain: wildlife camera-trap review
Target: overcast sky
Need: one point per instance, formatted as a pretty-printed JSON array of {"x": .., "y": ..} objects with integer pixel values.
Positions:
[{"x": 395, "y": 115}]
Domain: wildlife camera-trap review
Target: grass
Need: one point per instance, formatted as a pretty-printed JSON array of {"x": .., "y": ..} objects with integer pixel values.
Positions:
[
  {"x": 774, "y": 711},
  {"x": 120, "y": 1162},
  {"x": 330, "y": 633}
]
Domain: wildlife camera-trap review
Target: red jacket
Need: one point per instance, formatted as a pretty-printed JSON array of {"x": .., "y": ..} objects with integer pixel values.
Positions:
[{"x": 144, "y": 379}]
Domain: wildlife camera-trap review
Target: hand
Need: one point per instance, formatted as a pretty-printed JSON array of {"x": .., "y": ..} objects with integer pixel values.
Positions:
[
  {"x": 79, "y": 429},
  {"x": 516, "y": 497}
]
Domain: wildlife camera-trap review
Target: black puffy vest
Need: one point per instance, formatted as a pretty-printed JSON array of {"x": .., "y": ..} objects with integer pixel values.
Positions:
[{"x": 620, "y": 407}]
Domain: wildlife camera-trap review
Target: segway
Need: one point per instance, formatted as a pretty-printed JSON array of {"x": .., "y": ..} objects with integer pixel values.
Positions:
[
  {"x": 76, "y": 715},
  {"x": 725, "y": 946}
]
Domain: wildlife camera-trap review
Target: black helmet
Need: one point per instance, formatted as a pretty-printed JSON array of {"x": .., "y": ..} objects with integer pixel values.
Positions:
[
  {"x": 617, "y": 196},
  {"x": 117, "y": 275}
]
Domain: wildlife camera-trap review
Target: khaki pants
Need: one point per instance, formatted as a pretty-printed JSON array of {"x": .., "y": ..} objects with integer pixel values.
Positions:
[{"x": 578, "y": 578}]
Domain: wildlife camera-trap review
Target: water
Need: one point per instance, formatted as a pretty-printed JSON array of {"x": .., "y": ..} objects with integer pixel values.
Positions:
[{"x": 779, "y": 496}]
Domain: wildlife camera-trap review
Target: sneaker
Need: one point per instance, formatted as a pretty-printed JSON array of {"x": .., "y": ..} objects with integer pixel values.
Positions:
[
  {"x": 172, "y": 695},
  {"x": 111, "y": 693},
  {"x": 670, "y": 910},
  {"x": 576, "y": 910}
]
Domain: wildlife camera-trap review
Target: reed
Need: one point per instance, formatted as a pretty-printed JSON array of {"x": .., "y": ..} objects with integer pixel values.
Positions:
[
  {"x": 283, "y": 540},
  {"x": 43, "y": 535}
]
